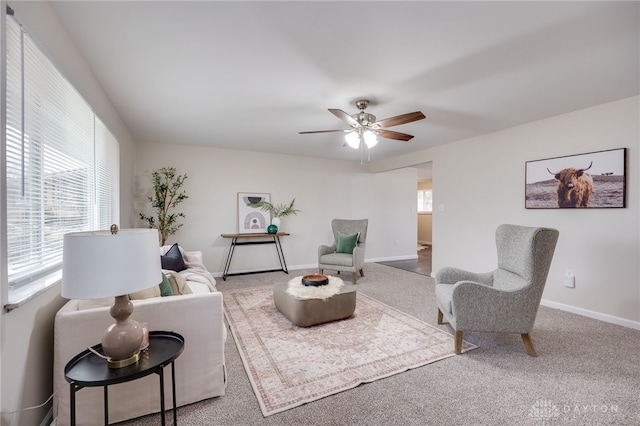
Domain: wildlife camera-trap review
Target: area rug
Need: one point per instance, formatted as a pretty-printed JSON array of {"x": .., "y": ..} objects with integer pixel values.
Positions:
[{"x": 289, "y": 366}]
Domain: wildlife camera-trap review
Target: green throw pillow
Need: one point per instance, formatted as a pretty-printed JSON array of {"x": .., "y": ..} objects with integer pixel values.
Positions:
[
  {"x": 165, "y": 287},
  {"x": 346, "y": 243}
]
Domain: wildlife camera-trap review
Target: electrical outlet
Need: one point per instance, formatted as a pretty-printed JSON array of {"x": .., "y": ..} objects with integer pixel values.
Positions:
[
  {"x": 395, "y": 243},
  {"x": 569, "y": 279}
]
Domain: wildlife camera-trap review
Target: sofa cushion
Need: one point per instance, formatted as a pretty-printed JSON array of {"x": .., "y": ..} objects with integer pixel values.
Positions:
[
  {"x": 163, "y": 289},
  {"x": 178, "y": 283},
  {"x": 165, "y": 286},
  {"x": 346, "y": 243},
  {"x": 94, "y": 303},
  {"x": 146, "y": 294},
  {"x": 341, "y": 259},
  {"x": 173, "y": 259}
]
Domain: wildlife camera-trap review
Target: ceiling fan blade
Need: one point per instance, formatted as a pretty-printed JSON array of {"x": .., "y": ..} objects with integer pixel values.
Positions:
[
  {"x": 390, "y": 134},
  {"x": 322, "y": 131},
  {"x": 344, "y": 117},
  {"x": 400, "y": 119}
]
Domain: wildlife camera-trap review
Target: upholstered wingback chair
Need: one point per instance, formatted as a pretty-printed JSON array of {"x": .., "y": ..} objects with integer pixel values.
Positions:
[
  {"x": 505, "y": 300},
  {"x": 335, "y": 257}
]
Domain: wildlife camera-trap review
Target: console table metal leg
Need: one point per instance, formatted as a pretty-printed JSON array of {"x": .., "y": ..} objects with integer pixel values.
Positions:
[
  {"x": 173, "y": 387},
  {"x": 283, "y": 263},
  {"x": 229, "y": 256}
]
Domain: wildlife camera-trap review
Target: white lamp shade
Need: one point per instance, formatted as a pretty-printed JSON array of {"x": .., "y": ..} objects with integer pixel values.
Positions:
[
  {"x": 370, "y": 138},
  {"x": 99, "y": 264},
  {"x": 352, "y": 139}
]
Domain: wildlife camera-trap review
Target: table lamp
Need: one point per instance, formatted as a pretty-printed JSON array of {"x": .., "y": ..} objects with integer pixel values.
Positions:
[{"x": 113, "y": 263}]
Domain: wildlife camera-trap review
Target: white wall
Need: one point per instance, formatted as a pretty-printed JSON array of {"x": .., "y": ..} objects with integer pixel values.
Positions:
[
  {"x": 323, "y": 189},
  {"x": 26, "y": 333},
  {"x": 480, "y": 184}
]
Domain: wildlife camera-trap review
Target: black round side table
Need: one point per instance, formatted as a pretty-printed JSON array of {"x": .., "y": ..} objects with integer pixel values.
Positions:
[{"x": 89, "y": 370}]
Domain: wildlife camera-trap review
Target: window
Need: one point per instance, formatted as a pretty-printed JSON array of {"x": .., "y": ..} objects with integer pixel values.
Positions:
[
  {"x": 425, "y": 201},
  {"x": 61, "y": 162}
]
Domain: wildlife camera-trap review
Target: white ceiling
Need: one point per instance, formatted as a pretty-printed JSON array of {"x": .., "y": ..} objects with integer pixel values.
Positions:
[{"x": 251, "y": 75}]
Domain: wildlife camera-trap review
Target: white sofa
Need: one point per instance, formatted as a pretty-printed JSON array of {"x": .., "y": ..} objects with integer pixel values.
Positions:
[{"x": 200, "y": 369}]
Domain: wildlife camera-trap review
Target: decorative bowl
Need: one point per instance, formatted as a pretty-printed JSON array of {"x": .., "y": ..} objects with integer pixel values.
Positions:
[{"x": 315, "y": 280}]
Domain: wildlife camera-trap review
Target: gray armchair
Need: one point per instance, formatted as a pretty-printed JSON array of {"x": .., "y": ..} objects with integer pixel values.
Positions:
[
  {"x": 505, "y": 300},
  {"x": 329, "y": 258}
]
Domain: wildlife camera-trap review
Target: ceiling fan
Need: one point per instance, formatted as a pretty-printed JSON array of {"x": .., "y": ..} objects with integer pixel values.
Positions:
[{"x": 364, "y": 126}]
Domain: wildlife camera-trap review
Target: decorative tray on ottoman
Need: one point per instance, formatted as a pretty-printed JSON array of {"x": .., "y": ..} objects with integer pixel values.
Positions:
[{"x": 315, "y": 280}]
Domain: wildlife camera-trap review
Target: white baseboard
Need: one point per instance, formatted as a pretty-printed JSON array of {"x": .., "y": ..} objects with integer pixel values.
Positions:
[
  {"x": 315, "y": 265},
  {"x": 289, "y": 268},
  {"x": 297, "y": 267},
  {"x": 592, "y": 314},
  {"x": 392, "y": 258}
]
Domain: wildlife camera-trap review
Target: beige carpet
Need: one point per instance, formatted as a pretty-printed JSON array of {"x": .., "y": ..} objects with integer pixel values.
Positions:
[{"x": 289, "y": 366}]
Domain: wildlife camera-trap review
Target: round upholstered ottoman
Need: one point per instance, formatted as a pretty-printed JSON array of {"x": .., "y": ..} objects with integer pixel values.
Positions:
[{"x": 305, "y": 312}]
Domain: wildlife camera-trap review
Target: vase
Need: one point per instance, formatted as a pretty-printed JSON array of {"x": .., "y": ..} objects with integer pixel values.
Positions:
[{"x": 276, "y": 221}]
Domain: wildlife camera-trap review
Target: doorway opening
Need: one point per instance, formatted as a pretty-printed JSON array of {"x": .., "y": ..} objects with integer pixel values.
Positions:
[{"x": 424, "y": 247}]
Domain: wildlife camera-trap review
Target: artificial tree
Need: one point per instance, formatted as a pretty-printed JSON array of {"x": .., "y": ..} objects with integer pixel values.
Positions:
[{"x": 167, "y": 195}]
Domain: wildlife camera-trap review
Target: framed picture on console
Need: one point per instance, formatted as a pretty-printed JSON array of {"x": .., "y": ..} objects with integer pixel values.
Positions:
[
  {"x": 590, "y": 180},
  {"x": 252, "y": 220}
]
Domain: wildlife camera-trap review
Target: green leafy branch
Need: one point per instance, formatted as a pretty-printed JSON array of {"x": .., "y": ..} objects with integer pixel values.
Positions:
[
  {"x": 277, "y": 210},
  {"x": 167, "y": 195}
]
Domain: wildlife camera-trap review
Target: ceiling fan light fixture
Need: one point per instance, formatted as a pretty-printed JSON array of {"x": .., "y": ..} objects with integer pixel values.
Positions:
[
  {"x": 365, "y": 127},
  {"x": 370, "y": 138},
  {"x": 352, "y": 139}
]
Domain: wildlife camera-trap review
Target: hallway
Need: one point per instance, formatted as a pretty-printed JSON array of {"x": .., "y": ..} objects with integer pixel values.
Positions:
[{"x": 421, "y": 265}]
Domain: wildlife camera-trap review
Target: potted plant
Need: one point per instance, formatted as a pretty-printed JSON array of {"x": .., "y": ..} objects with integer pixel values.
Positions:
[
  {"x": 277, "y": 210},
  {"x": 167, "y": 195}
]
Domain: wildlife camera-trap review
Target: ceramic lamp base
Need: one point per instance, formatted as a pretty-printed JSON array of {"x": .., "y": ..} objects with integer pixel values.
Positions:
[{"x": 121, "y": 341}]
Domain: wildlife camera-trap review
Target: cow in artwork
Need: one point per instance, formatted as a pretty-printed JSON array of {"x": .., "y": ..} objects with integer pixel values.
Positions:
[{"x": 575, "y": 186}]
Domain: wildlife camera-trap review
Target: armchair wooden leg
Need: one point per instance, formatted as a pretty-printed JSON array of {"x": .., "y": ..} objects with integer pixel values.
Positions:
[
  {"x": 354, "y": 277},
  {"x": 321, "y": 271},
  {"x": 440, "y": 317},
  {"x": 458, "y": 342},
  {"x": 362, "y": 272},
  {"x": 528, "y": 344}
]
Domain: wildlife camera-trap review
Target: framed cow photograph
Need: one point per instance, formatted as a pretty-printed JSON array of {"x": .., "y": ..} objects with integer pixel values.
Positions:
[{"x": 590, "y": 180}]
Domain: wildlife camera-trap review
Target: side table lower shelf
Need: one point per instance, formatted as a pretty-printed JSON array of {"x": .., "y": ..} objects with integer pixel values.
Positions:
[{"x": 89, "y": 370}]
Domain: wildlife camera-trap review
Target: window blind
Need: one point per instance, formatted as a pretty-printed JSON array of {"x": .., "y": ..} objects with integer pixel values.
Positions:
[
  {"x": 62, "y": 162},
  {"x": 107, "y": 176}
]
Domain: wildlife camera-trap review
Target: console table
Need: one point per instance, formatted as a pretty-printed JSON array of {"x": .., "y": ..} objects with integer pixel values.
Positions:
[
  {"x": 249, "y": 239},
  {"x": 88, "y": 369}
]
